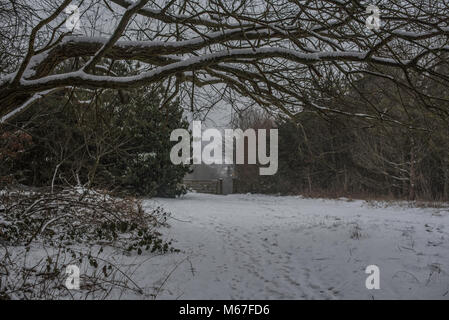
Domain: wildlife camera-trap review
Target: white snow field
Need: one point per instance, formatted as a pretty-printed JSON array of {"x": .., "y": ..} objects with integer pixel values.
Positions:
[{"x": 270, "y": 247}]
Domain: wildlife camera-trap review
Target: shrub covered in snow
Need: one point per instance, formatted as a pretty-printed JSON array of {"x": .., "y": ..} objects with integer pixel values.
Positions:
[{"x": 42, "y": 233}]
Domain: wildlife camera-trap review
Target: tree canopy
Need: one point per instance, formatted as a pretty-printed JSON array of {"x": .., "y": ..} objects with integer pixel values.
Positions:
[{"x": 279, "y": 54}]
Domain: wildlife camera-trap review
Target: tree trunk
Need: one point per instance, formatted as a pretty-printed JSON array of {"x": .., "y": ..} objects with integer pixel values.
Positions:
[{"x": 412, "y": 194}]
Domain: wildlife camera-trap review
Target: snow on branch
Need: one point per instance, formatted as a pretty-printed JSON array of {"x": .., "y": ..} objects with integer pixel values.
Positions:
[
  {"x": 256, "y": 50},
  {"x": 27, "y": 104}
]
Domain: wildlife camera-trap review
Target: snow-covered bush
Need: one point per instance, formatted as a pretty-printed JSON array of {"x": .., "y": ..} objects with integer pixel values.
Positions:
[
  {"x": 41, "y": 233},
  {"x": 73, "y": 217}
]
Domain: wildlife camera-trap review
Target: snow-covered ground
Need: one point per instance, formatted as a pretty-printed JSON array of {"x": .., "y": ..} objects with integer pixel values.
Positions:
[{"x": 269, "y": 247}]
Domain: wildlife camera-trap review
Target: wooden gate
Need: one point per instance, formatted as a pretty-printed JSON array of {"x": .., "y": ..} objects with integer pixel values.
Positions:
[{"x": 214, "y": 186}]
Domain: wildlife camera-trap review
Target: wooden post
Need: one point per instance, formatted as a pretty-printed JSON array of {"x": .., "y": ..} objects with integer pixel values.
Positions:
[{"x": 220, "y": 186}]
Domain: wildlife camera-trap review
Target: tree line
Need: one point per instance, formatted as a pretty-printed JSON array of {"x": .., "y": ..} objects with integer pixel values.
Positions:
[{"x": 333, "y": 154}]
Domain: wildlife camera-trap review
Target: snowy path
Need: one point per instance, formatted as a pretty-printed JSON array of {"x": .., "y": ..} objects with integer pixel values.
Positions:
[{"x": 268, "y": 247}]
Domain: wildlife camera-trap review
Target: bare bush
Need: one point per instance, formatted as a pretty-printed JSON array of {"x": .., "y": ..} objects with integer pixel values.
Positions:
[{"x": 41, "y": 233}]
